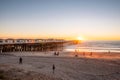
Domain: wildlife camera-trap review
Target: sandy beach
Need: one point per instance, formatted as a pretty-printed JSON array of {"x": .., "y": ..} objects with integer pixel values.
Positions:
[
  {"x": 99, "y": 66},
  {"x": 59, "y": 39}
]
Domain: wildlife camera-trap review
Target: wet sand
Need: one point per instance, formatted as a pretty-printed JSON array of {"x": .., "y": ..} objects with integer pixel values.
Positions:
[
  {"x": 98, "y": 55},
  {"x": 100, "y": 66}
]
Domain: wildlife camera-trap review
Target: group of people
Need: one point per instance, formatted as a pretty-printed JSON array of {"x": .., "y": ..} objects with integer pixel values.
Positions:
[
  {"x": 56, "y": 53},
  {"x": 76, "y": 55},
  {"x": 21, "y": 61}
]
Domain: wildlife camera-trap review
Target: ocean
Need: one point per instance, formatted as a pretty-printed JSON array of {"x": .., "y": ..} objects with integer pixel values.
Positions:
[{"x": 95, "y": 46}]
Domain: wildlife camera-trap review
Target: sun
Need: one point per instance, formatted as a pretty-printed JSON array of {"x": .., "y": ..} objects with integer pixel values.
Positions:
[{"x": 80, "y": 38}]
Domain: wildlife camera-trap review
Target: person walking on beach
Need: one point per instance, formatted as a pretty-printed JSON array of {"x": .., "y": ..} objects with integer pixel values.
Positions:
[
  {"x": 53, "y": 67},
  {"x": 91, "y": 54},
  {"x": 20, "y": 60},
  {"x": 58, "y": 53},
  {"x": 54, "y": 53}
]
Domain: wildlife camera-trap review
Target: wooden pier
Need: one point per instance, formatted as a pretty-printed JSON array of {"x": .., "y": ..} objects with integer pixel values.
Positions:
[{"x": 41, "y": 46}]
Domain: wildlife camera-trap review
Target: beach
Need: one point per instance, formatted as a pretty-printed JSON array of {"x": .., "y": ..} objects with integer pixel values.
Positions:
[
  {"x": 99, "y": 66},
  {"x": 60, "y": 40}
]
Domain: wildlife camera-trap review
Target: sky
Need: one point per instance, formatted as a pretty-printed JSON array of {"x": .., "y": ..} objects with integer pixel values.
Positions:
[{"x": 68, "y": 19}]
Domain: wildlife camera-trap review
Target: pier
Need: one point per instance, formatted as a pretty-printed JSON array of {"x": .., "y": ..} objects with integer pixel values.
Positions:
[{"x": 11, "y": 45}]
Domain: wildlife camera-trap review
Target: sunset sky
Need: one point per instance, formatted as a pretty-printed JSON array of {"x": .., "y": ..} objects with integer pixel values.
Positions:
[{"x": 68, "y": 19}]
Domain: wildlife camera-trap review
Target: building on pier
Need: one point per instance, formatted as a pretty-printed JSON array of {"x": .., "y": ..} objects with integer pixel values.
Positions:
[{"x": 12, "y": 45}]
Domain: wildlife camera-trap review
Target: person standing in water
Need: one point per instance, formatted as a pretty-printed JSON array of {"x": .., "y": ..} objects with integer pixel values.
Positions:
[
  {"x": 20, "y": 60},
  {"x": 53, "y": 67}
]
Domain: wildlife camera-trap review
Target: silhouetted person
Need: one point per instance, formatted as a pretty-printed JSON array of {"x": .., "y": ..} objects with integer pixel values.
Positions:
[
  {"x": 54, "y": 53},
  {"x": 20, "y": 60},
  {"x": 53, "y": 67},
  {"x": 76, "y": 55},
  {"x": 57, "y": 53},
  {"x": 91, "y": 54}
]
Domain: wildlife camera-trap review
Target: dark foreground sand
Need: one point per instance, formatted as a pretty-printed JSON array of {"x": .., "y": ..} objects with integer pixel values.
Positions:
[{"x": 67, "y": 68}]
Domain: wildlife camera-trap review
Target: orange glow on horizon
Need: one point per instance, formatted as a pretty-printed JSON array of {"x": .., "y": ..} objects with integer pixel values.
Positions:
[
  {"x": 80, "y": 38},
  {"x": 66, "y": 37}
]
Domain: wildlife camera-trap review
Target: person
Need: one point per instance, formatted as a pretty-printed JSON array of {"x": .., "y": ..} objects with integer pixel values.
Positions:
[
  {"x": 54, "y": 53},
  {"x": 20, "y": 60},
  {"x": 53, "y": 67},
  {"x": 58, "y": 53},
  {"x": 76, "y": 55},
  {"x": 91, "y": 54}
]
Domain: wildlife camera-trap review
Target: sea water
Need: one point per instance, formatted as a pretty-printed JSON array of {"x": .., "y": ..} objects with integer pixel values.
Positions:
[{"x": 95, "y": 46}]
